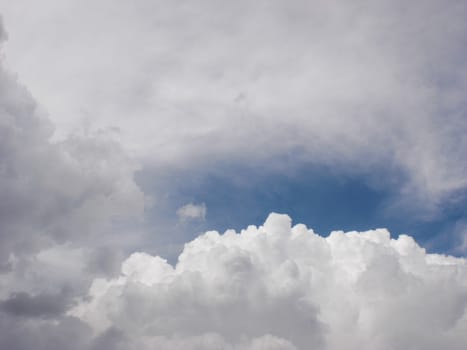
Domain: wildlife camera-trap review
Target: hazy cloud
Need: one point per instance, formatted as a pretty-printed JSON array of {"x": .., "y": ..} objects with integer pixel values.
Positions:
[
  {"x": 192, "y": 211},
  {"x": 355, "y": 85}
]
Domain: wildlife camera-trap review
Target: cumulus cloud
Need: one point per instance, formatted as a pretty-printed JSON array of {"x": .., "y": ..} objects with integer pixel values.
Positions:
[
  {"x": 327, "y": 82},
  {"x": 192, "y": 211},
  {"x": 282, "y": 287}
]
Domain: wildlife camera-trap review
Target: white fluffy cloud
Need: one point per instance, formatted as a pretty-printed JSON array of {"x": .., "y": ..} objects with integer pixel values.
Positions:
[
  {"x": 192, "y": 211},
  {"x": 282, "y": 287},
  {"x": 355, "y": 85}
]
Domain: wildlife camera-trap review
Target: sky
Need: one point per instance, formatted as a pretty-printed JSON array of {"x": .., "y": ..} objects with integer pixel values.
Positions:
[{"x": 238, "y": 175}]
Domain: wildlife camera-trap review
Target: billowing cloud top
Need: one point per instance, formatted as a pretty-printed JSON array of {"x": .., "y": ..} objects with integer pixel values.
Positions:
[{"x": 282, "y": 287}]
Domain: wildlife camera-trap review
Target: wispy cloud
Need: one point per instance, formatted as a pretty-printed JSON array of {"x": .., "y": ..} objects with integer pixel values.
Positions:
[
  {"x": 352, "y": 85},
  {"x": 192, "y": 211}
]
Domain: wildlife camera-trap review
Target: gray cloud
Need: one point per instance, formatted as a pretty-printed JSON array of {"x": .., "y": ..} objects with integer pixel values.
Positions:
[
  {"x": 56, "y": 192},
  {"x": 63, "y": 333},
  {"x": 60, "y": 202},
  {"x": 356, "y": 85},
  {"x": 105, "y": 261},
  {"x": 43, "y": 305}
]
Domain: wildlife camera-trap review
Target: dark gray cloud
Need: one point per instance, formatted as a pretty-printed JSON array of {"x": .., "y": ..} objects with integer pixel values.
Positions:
[
  {"x": 105, "y": 261},
  {"x": 42, "y": 305},
  {"x": 111, "y": 339},
  {"x": 62, "y": 333}
]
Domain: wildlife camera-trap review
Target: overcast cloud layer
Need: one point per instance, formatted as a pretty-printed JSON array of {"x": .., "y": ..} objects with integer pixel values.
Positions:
[
  {"x": 355, "y": 85},
  {"x": 369, "y": 88}
]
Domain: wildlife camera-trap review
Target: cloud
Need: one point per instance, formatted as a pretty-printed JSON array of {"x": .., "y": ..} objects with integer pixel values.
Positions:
[
  {"x": 114, "y": 339},
  {"x": 283, "y": 285},
  {"x": 60, "y": 202},
  {"x": 192, "y": 211},
  {"x": 53, "y": 193},
  {"x": 23, "y": 304},
  {"x": 354, "y": 85}
]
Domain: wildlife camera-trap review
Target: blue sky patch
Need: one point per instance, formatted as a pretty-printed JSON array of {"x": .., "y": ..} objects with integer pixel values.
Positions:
[{"x": 316, "y": 196}]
